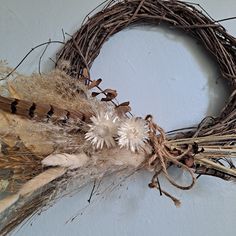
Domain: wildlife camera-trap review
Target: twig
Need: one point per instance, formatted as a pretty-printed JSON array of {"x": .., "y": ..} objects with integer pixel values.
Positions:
[
  {"x": 40, "y": 59},
  {"x": 32, "y": 49},
  {"x": 91, "y": 194},
  {"x": 63, "y": 35},
  {"x": 226, "y": 19}
]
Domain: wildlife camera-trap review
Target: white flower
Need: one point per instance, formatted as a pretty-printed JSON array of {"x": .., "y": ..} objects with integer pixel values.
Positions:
[
  {"x": 133, "y": 133},
  {"x": 103, "y": 130}
]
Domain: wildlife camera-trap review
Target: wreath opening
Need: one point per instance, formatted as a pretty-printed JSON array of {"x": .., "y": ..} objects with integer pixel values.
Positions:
[{"x": 167, "y": 64}]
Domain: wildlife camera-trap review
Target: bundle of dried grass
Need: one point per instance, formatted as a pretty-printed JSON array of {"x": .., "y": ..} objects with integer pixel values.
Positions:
[{"x": 55, "y": 132}]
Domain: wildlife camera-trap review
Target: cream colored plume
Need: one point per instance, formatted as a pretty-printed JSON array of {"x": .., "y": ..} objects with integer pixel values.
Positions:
[{"x": 71, "y": 161}]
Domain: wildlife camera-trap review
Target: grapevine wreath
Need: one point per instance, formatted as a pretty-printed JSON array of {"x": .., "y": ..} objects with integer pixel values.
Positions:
[{"x": 76, "y": 136}]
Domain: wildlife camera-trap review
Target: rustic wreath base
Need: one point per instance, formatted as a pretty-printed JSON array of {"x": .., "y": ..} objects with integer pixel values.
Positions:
[{"x": 84, "y": 46}]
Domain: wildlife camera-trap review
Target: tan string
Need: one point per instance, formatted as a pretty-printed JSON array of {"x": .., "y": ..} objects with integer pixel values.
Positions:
[{"x": 163, "y": 155}]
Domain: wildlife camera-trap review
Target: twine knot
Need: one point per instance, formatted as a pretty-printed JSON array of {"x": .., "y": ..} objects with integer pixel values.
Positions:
[{"x": 163, "y": 156}]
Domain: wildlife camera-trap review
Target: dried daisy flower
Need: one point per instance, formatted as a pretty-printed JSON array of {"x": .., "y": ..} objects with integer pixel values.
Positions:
[
  {"x": 133, "y": 133},
  {"x": 103, "y": 130}
]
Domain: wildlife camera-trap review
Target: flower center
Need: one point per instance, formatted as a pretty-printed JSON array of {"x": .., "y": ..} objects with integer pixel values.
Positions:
[
  {"x": 102, "y": 131},
  {"x": 133, "y": 133}
]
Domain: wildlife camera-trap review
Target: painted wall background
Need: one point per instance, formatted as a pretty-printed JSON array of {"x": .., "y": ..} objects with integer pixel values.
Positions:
[{"x": 159, "y": 71}]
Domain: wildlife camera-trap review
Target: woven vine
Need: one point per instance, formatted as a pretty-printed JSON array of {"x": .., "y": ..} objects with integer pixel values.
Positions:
[{"x": 84, "y": 46}]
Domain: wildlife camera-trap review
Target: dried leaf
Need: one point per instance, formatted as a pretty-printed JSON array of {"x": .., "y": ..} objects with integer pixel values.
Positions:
[
  {"x": 95, "y": 94},
  {"x": 121, "y": 110},
  {"x": 110, "y": 95},
  {"x": 94, "y": 83},
  {"x": 124, "y": 104},
  {"x": 110, "y": 91}
]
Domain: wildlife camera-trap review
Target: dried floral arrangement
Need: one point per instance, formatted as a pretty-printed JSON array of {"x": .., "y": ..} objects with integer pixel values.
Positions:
[{"x": 56, "y": 134}]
